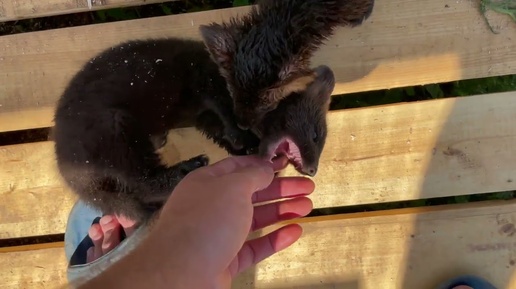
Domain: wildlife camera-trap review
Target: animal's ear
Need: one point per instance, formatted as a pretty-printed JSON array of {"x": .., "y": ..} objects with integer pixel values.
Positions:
[
  {"x": 325, "y": 79},
  {"x": 220, "y": 44},
  {"x": 291, "y": 85}
]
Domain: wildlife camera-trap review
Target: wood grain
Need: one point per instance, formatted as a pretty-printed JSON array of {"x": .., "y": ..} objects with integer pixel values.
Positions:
[
  {"x": 402, "y": 249},
  {"x": 417, "y": 150},
  {"x": 33, "y": 199},
  {"x": 35, "y": 269},
  {"x": 404, "y": 43},
  {"x": 429, "y": 149},
  {"x": 397, "y": 251},
  {"x": 23, "y": 9}
]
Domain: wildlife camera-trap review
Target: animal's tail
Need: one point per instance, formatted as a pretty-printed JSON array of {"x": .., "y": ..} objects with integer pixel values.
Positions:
[
  {"x": 307, "y": 23},
  {"x": 320, "y": 15}
]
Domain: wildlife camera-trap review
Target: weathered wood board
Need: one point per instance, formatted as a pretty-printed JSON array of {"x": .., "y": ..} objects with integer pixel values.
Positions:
[
  {"x": 405, "y": 249},
  {"x": 440, "y": 42},
  {"x": 23, "y": 9},
  {"x": 33, "y": 269},
  {"x": 388, "y": 250},
  {"x": 437, "y": 148}
]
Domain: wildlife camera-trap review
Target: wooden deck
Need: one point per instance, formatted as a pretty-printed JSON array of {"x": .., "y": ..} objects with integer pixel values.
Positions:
[
  {"x": 26, "y": 9},
  {"x": 405, "y": 151}
]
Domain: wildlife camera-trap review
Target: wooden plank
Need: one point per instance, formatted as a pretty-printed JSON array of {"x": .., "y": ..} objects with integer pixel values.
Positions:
[
  {"x": 397, "y": 251},
  {"x": 451, "y": 39},
  {"x": 33, "y": 200},
  {"x": 34, "y": 269},
  {"x": 438, "y": 148},
  {"x": 24, "y": 9},
  {"x": 26, "y": 119},
  {"x": 408, "y": 248},
  {"x": 32, "y": 247}
]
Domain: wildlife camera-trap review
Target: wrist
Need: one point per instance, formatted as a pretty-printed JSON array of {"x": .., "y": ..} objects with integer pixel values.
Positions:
[{"x": 144, "y": 267}]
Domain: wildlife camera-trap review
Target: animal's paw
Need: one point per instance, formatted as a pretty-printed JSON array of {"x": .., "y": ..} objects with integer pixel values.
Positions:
[
  {"x": 235, "y": 139},
  {"x": 252, "y": 150},
  {"x": 241, "y": 142},
  {"x": 194, "y": 163},
  {"x": 159, "y": 140}
]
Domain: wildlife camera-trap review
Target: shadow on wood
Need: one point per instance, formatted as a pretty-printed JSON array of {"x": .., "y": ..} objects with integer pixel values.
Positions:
[{"x": 473, "y": 153}]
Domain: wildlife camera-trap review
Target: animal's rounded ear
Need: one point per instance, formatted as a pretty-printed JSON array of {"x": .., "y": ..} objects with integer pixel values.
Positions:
[
  {"x": 325, "y": 78},
  {"x": 294, "y": 84},
  {"x": 325, "y": 75},
  {"x": 220, "y": 44}
]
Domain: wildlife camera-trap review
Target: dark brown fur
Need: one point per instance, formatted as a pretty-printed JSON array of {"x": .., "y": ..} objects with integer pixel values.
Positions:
[
  {"x": 301, "y": 117},
  {"x": 265, "y": 55},
  {"x": 116, "y": 112}
]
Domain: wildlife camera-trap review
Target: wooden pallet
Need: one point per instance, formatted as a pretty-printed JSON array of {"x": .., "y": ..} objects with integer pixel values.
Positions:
[{"x": 400, "y": 152}]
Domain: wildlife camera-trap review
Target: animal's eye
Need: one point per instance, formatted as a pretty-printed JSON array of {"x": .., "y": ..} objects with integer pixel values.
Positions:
[{"x": 315, "y": 137}]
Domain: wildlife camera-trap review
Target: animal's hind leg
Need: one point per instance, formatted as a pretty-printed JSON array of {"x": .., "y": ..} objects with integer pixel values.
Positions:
[{"x": 131, "y": 166}]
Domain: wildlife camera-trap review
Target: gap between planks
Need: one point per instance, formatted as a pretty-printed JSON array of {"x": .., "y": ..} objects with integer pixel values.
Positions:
[
  {"x": 31, "y": 247},
  {"x": 36, "y": 66},
  {"x": 405, "y": 249},
  {"x": 309, "y": 220},
  {"x": 419, "y": 150}
]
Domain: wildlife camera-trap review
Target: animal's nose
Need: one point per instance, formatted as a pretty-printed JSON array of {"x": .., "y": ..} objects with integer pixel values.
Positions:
[{"x": 311, "y": 171}]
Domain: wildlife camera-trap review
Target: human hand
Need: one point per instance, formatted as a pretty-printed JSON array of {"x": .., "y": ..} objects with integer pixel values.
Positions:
[
  {"x": 206, "y": 221},
  {"x": 105, "y": 235}
]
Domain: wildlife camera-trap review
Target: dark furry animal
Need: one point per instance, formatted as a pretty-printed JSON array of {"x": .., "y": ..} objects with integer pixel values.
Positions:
[
  {"x": 115, "y": 113},
  {"x": 300, "y": 119},
  {"x": 117, "y": 110},
  {"x": 264, "y": 55}
]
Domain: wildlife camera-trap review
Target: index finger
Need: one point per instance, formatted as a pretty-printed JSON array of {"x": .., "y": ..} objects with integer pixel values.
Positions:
[
  {"x": 247, "y": 180},
  {"x": 235, "y": 163}
]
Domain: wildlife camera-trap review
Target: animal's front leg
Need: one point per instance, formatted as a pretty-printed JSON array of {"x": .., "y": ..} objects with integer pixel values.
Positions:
[
  {"x": 219, "y": 123},
  {"x": 226, "y": 134},
  {"x": 159, "y": 140}
]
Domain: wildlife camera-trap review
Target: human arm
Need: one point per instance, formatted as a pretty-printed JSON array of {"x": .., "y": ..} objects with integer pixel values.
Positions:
[{"x": 199, "y": 240}]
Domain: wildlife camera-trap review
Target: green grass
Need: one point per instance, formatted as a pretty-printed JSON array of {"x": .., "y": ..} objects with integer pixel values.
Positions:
[
  {"x": 507, "y": 7},
  {"x": 426, "y": 92}
]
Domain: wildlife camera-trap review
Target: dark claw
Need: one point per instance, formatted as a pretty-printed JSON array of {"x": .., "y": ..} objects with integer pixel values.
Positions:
[
  {"x": 194, "y": 163},
  {"x": 199, "y": 161},
  {"x": 202, "y": 160},
  {"x": 252, "y": 151}
]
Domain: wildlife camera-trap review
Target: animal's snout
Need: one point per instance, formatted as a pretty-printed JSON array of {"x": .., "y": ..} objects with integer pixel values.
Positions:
[{"x": 311, "y": 171}]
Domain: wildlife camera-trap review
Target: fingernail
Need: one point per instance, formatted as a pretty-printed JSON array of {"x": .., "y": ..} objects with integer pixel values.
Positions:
[
  {"x": 94, "y": 234},
  {"x": 289, "y": 216},
  {"x": 267, "y": 170},
  {"x": 297, "y": 196},
  {"x": 106, "y": 220}
]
